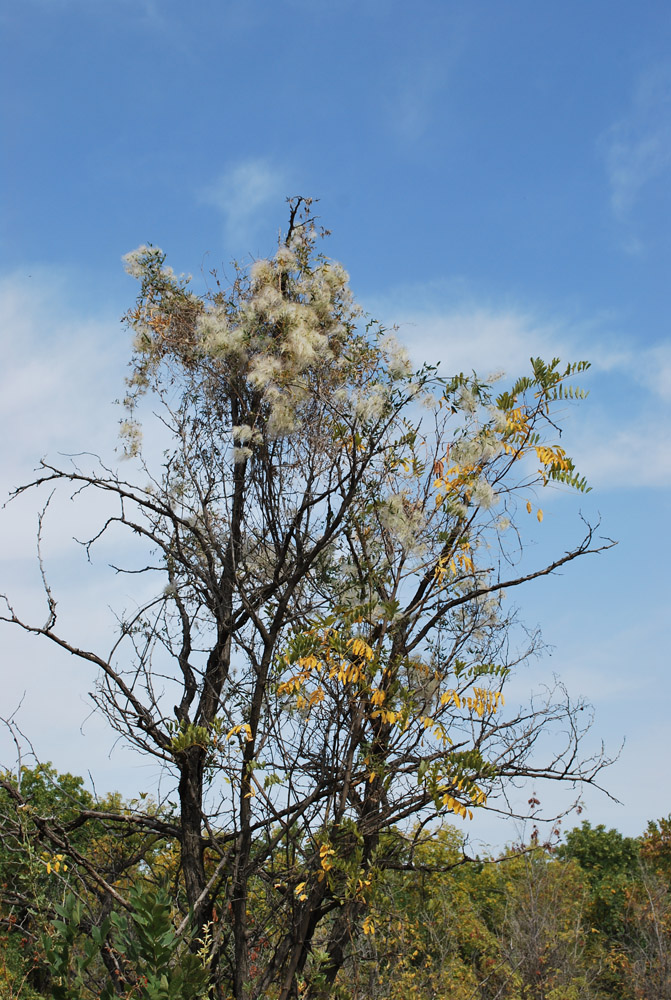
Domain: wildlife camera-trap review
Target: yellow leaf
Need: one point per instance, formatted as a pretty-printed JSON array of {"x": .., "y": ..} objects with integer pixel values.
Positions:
[
  {"x": 539, "y": 515},
  {"x": 361, "y": 648},
  {"x": 242, "y": 728},
  {"x": 528, "y": 506}
]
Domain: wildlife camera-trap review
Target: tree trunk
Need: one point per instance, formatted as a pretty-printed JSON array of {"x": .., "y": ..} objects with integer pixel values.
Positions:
[{"x": 191, "y": 842}]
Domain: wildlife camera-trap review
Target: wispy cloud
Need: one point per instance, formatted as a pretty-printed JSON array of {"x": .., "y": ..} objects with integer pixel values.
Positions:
[
  {"x": 414, "y": 85},
  {"x": 637, "y": 456},
  {"x": 630, "y": 385},
  {"x": 653, "y": 368},
  {"x": 243, "y": 193},
  {"x": 411, "y": 105},
  {"x": 61, "y": 371},
  {"x": 490, "y": 338},
  {"x": 475, "y": 337},
  {"x": 637, "y": 148},
  {"x": 57, "y": 365}
]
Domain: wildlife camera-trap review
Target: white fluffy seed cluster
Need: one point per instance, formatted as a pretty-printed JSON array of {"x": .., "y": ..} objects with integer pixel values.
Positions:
[
  {"x": 139, "y": 261},
  {"x": 472, "y": 451},
  {"x": 292, "y": 320},
  {"x": 291, "y": 323},
  {"x": 404, "y": 521},
  {"x": 483, "y": 495}
]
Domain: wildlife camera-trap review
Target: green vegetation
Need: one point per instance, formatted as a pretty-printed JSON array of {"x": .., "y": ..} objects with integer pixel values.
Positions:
[{"x": 588, "y": 918}]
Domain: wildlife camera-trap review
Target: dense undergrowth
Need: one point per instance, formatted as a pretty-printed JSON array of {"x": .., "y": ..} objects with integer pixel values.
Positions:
[{"x": 588, "y": 916}]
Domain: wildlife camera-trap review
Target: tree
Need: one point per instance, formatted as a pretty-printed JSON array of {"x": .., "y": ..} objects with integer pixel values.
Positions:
[
  {"x": 544, "y": 936},
  {"x": 611, "y": 863},
  {"x": 630, "y": 904},
  {"x": 322, "y": 662},
  {"x": 56, "y": 841},
  {"x": 656, "y": 847},
  {"x": 507, "y": 927}
]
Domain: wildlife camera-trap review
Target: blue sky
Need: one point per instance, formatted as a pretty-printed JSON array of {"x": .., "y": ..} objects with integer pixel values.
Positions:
[{"x": 496, "y": 179}]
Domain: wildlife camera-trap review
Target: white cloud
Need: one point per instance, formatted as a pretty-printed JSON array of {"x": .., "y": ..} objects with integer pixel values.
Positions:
[
  {"x": 653, "y": 368},
  {"x": 631, "y": 386},
  {"x": 637, "y": 149},
  {"x": 486, "y": 339},
  {"x": 634, "y": 456},
  {"x": 61, "y": 372},
  {"x": 59, "y": 368},
  {"x": 475, "y": 338},
  {"x": 242, "y": 193}
]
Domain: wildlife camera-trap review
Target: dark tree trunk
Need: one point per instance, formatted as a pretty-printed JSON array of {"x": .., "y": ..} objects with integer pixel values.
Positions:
[{"x": 191, "y": 803}]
